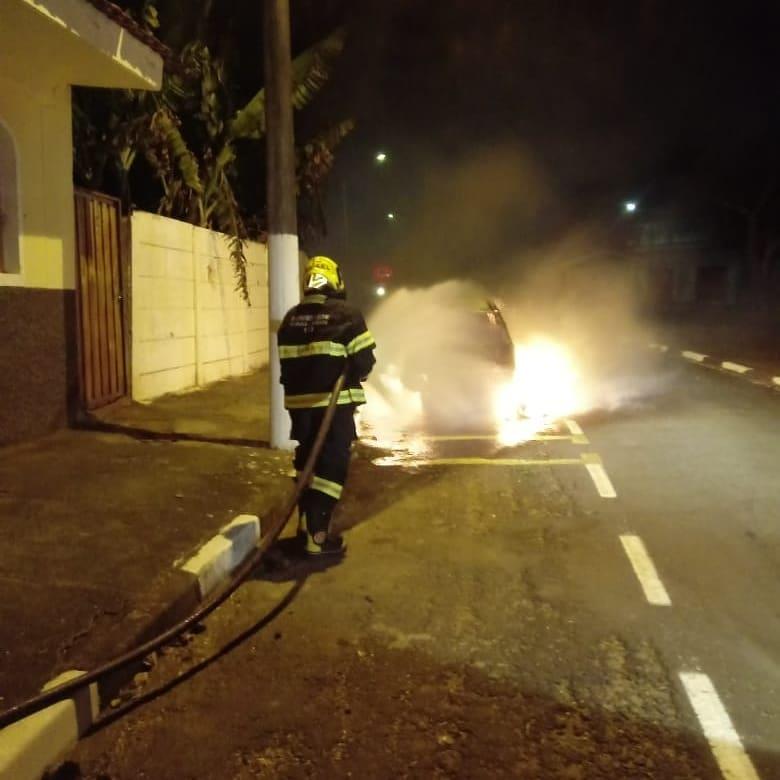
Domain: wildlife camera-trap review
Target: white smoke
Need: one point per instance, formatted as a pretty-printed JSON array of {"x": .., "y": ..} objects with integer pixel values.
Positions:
[{"x": 430, "y": 369}]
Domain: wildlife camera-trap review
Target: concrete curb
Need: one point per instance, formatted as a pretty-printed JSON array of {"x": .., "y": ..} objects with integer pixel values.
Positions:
[
  {"x": 754, "y": 376},
  {"x": 35, "y": 744},
  {"x": 214, "y": 562}
]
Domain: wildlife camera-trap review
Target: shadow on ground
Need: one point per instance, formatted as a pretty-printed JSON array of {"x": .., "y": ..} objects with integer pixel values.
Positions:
[{"x": 231, "y": 411}]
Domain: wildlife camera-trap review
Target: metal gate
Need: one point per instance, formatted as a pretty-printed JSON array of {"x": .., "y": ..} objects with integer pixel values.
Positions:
[{"x": 100, "y": 299}]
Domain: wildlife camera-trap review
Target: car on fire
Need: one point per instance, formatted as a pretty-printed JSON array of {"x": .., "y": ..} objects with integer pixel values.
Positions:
[{"x": 458, "y": 388}]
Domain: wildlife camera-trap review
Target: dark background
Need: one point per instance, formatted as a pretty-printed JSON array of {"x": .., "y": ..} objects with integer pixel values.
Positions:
[
  {"x": 672, "y": 104},
  {"x": 511, "y": 125}
]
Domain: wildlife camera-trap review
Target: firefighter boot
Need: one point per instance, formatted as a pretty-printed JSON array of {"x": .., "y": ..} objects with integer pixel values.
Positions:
[{"x": 318, "y": 542}]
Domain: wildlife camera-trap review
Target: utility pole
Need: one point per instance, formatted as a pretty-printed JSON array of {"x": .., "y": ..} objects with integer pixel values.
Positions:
[{"x": 283, "y": 281}]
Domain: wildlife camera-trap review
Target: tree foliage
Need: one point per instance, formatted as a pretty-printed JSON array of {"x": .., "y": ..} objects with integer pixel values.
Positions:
[{"x": 187, "y": 137}]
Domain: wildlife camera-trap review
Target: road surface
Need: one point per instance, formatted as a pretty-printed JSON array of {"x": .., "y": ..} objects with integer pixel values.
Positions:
[{"x": 600, "y": 603}]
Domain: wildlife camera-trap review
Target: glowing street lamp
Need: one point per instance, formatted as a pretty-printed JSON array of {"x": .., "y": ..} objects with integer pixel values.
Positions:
[
  {"x": 380, "y": 291},
  {"x": 380, "y": 157},
  {"x": 630, "y": 206},
  {"x": 390, "y": 215}
]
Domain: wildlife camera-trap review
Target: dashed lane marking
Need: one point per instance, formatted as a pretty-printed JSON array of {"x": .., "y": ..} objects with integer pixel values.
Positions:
[
  {"x": 645, "y": 571},
  {"x": 697, "y": 357},
  {"x": 726, "y": 746},
  {"x": 574, "y": 428},
  {"x": 599, "y": 475}
]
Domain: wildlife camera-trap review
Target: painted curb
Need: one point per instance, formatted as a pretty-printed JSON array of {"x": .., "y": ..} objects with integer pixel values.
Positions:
[
  {"x": 217, "y": 558},
  {"x": 755, "y": 376},
  {"x": 35, "y": 744},
  {"x": 737, "y": 368}
]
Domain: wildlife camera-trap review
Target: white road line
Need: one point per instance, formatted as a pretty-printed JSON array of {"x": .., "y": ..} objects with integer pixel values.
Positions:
[
  {"x": 645, "y": 571},
  {"x": 776, "y": 380},
  {"x": 659, "y": 347},
  {"x": 697, "y": 356},
  {"x": 599, "y": 475},
  {"x": 574, "y": 428},
  {"x": 734, "y": 762},
  {"x": 737, "y": 368}
]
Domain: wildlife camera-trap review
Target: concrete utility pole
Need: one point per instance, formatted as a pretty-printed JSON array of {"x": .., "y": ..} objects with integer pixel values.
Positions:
[{"x": 284, "y": 284}]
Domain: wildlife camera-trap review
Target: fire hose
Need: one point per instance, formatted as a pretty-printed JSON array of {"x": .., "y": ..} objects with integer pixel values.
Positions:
[{"x": 279, "y": 520}]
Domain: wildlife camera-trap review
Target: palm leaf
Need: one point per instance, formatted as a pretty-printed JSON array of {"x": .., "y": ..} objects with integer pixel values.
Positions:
[
  {"x": 186, "y": 161},
  {"x": 334, "y": 135},
  {"x": 310, "y": 72},
  {"x": 312, "y": 69}
]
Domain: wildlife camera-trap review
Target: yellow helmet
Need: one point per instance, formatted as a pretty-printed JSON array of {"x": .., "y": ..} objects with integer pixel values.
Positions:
[{"x": 322, "y": 272}]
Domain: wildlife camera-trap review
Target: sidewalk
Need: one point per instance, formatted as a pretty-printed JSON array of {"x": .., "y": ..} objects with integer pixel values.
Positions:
[
  {"x": 93, "y": 524},
  {"x": 738, "y": 342},
  {"x": 742, "y": 337},
  {"x": 233, "y": 411}
]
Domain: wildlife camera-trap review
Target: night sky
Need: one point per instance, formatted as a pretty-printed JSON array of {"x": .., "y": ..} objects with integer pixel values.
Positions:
[{"x": 581, "y": 104}]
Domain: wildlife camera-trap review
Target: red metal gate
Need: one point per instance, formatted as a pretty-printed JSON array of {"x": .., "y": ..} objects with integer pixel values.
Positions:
[{"x": 100, "y": 299}]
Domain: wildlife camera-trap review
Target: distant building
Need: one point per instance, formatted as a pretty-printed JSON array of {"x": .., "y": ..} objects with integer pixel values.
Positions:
[
  {"x": 680, "y": 262},
  {"x": 45, "y": 47}
]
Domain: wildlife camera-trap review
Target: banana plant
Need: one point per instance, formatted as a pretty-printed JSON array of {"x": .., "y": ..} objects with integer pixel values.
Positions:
[
  {"x": 314, "y": 162},
  {"x": 200, "y": 188},
  {"x": 188, "y": 138}
]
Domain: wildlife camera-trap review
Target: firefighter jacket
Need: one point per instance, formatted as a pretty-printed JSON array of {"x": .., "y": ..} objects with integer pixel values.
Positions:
[{"x": 317, "y": 339}]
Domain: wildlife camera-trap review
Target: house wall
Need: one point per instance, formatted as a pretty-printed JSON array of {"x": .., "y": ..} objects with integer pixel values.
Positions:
[
  {"x": 38, "y": 369},
  {"x": 189, "y": 325},
  {"x": 45, "y": 45},
  {"x": 40, "y": 124}
]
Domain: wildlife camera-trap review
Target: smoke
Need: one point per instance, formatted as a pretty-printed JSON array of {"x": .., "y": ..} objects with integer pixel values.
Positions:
[
  {"x": 586, "y": 299},
  {"x": 434, "y": 366},
  {"x": 571, "y": 305},
  {"x": 470, "y": 215}
]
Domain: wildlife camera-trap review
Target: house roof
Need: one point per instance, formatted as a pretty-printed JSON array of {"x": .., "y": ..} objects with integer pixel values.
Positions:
[
  {"x": 89, "y": 43},
  {"x": 123, "y": 19}
]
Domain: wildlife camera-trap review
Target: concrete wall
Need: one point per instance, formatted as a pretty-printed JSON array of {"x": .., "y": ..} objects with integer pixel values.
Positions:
[{"x": 189, "y": 324}]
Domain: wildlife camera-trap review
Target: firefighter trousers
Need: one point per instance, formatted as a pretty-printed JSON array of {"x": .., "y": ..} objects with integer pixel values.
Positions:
[{"x": 330, "y": 470}]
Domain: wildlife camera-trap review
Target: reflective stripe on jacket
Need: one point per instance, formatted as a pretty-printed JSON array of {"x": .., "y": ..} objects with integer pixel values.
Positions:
[{"x": 316, "y": 339}]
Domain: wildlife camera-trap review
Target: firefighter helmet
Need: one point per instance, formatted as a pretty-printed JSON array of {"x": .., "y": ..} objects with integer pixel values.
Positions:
[{"x": 322, "y": 272}]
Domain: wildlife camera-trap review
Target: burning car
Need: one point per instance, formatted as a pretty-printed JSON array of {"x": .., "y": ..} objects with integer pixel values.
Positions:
[{"x": 458, "y": 388}]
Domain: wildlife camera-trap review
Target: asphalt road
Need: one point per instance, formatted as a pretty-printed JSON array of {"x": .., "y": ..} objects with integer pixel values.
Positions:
[
  {"x": 487, "y": 620},
  {"x": 697, "y": 478}
]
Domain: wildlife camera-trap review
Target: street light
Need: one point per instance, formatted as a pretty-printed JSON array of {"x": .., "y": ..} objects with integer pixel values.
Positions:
[
  {"x": 390, "y": 215},
  {"x": 630, "y": 206},
  {"x": 380, "y": 157},
  {"x": 380, "y": 291}
]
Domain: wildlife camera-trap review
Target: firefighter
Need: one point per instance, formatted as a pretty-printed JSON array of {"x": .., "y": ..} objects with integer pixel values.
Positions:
[{"x": 318, "y": 339}]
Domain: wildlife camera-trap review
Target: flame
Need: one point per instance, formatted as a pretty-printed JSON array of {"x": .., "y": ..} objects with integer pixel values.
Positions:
[{"x": 545, "y": 388}]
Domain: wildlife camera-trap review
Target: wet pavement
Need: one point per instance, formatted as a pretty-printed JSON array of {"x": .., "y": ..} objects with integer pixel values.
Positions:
[
  {"x": 93, "y": 524},
  {"x": 504, "y": 619}
]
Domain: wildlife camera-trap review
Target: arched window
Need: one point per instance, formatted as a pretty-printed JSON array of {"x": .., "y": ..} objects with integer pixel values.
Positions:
[{"x": 9, "y": 204}]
